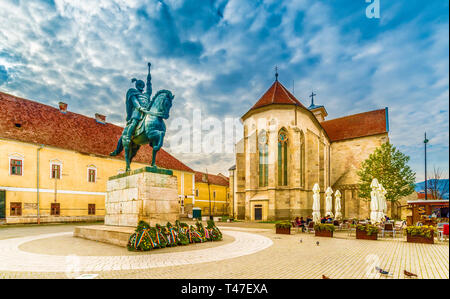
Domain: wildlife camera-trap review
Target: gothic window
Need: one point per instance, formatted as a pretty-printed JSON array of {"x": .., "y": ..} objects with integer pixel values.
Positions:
[
  {"x": 282, "y": 157},
  {"x": 263, "y": 150},
  {"x": 302, "y": 159}
]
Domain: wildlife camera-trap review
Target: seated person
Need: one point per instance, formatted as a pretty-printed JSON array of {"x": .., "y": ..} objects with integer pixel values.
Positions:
[
  {"x": 308, "y": 219},
  {"x": 323, "y": 220},
  {"x": 302, "y": 224},
  {"x": 297, "y": 222}
]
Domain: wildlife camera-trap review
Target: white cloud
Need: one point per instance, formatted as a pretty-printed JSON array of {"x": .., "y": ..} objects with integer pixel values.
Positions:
[{"x": 86, "y": 52}]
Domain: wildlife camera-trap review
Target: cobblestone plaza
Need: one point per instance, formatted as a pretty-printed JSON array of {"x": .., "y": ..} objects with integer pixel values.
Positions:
[{"x": 248, "y": 250}]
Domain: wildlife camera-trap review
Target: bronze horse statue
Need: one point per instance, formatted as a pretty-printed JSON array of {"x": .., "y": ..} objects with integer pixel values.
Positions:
[{"x": 150, "y": 130}]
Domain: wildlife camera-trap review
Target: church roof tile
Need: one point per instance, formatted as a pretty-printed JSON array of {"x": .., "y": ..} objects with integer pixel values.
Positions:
[
  {"x": 357, "y": 125},
  {"x": 200, "y": 177},
  {"x": 276, "y": 94}
]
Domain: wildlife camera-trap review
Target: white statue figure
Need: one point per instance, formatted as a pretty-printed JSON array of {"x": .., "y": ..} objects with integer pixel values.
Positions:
[
  {"x": 316, "y": 203},
  {"x": 382, "y": 204},
  {"x": 337, "y": 205},
  {"x": 329, "y": 202},
  {"x": 374, "y": 202}
]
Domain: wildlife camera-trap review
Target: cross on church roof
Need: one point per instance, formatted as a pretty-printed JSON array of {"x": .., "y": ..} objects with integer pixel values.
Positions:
[
  {"x": 276, "y": 73},
  {"x": 312, "y": 98}
]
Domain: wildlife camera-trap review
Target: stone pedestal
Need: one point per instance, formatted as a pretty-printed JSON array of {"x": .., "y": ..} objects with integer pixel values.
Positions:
[
  {"x": 148, "y": 194},
  {"x": 116, "y": 235}
]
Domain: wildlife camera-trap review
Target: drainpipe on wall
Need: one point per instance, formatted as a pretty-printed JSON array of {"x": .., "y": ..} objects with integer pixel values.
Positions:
[{"x": 37, "y": 184}]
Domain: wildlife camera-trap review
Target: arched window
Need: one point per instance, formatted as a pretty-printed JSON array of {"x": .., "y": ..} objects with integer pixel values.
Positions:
[
  {"x": 302, "y": 159},
  {"x": 263, "y": 150},
  {"x": 282, "y": 157}
]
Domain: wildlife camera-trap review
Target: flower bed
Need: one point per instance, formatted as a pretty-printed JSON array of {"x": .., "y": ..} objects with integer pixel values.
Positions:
[
  {"x": 420, "y": 234},
  {"x": 283, "y": 228},
  {"x": 367, "y": 232},
  {"x": 324, "y": 230},
  {"x": 147, "y": 238}
]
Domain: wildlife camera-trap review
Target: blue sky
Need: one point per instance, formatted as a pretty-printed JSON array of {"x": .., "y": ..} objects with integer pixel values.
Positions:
[{"x": 220, "y": 55}]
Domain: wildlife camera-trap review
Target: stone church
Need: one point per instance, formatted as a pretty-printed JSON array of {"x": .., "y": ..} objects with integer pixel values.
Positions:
[{"x": 287, "y": 148}]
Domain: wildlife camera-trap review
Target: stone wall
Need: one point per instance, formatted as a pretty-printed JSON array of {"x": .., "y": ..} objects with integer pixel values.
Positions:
[
  {"x": 346, "y": 159},
  {"x": 147, "y": 196},
  {"x": 347, "y": 156}
]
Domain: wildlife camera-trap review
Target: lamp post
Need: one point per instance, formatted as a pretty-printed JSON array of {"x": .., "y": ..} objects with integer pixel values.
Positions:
[
  {"x": 425, "y": 141},
  {"x": 209, "y": 194}
]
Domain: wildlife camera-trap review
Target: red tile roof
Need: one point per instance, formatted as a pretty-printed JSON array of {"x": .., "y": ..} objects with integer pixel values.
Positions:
[
  {"x": 357, "y": 125},
  {"x": 277, "y": 94},
  {"x": 421, "y": 195},
  {"x": 213, "y": 179},
  {"x": 42, "y": 124}
]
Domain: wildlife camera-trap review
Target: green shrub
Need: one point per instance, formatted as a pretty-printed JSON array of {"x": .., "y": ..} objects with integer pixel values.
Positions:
[
  {"x": 368, "y": 228},
  {"x": 424, "y": 231},
  {"x": 283, "y": 224},
  {"x": 324, "y": 227}
]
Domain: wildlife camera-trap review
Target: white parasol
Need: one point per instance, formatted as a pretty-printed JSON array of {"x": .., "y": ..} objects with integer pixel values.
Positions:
[
  {"x": 329, "y": 202},
  {"x": 374, "y": 202},
  {"x": 316, "y": 203},
  {"x": 382, "y": 204},
  {"x": 337, "y": 205}
]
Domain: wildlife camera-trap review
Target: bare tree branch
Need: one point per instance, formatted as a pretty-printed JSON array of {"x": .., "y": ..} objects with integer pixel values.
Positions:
[{"x": 438, "y": 184}]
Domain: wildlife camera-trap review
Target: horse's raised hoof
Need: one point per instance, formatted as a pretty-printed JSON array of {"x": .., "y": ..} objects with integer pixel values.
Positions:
[{"x": 113, "y": 154}]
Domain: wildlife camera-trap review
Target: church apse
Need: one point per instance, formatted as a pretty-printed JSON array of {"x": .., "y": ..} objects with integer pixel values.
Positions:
[{"x": 296, "y": 148}]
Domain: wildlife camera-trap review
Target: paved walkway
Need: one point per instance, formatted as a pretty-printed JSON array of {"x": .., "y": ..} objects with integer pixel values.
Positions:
[
  {"x": 12, "y": 258},
  {"x": 251, "y": 252}
]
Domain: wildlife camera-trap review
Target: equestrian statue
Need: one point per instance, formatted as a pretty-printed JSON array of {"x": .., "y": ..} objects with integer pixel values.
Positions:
[{"x": 145, "y": 120}]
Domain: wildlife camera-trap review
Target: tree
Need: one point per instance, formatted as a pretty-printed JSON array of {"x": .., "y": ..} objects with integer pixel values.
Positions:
[
  {"x": 438, "y": 184},
  {"x": 389, "y": 166}
]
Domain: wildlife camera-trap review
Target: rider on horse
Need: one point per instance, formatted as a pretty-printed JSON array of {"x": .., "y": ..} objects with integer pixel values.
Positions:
[{"x": 137, "y": 102}]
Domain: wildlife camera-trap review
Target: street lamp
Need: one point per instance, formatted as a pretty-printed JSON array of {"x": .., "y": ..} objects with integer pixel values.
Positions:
[{"x": 425, "y": 141}]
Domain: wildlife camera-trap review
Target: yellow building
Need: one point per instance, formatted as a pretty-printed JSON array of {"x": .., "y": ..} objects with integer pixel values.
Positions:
[
  {"x": 54, "y": 164},
  {"x": 211, "y": 190}
]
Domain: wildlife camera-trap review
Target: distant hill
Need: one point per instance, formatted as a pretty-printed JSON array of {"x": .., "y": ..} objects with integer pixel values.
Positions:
[{"x": 443, "y": 185}]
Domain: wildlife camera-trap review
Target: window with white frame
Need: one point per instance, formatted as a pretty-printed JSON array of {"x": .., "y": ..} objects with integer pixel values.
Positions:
[
  {"x": 16, "y": 164},
  {"x": 55, "y": 169},
  {"x": 92, "y": 174}
]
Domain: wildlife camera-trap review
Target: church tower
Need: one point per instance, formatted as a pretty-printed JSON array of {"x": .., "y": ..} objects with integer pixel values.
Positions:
[
  {"x": 284, "y": 152},
  {"x": 319, "y": 111}
]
